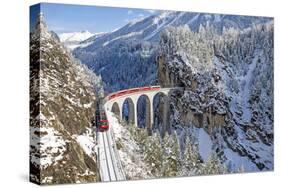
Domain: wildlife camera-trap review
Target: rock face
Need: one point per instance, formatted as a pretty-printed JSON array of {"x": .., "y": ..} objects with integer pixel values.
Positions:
[
  {"x": 183, "y": 66},
  {"x": 62, "y": 105},
  {"x": 227, "y": 82}
]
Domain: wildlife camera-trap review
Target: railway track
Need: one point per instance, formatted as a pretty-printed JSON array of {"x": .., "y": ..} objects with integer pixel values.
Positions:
[{"x": 109, "y": 169}]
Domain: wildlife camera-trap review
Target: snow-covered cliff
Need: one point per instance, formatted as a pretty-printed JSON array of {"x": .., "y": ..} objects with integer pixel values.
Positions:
[
  {"x": 228, "y": 91},
  {"x": 62, "y": 106}
]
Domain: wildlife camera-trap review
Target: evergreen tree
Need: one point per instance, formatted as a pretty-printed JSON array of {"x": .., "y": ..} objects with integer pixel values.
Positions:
[
  {"x": 213, "y": 166},
  {"x": 171, "y": 156},
  {"x": 191, "y": 163},
  {"x": 153, "y": 154}
]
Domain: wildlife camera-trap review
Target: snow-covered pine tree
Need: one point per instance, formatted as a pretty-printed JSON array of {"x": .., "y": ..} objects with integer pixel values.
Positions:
[
  {"x": 171, "y": 156},
  {"x": 153, "y": 153},
  {"x": 214, "y": 166},
  {"x": 191, "y": 163},
  {"x": 139, "y": 135}
]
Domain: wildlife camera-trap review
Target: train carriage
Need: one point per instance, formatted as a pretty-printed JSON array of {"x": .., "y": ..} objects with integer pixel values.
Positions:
[{"x": 103, "y": 122}]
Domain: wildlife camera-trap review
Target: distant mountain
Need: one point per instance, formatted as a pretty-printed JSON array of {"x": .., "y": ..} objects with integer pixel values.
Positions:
[
  {"x": 75, "y": 36},
  {"x": 72, "y": 40},
  {"x": 134, "y": 45},
  {"x": 149, "y": 28}
]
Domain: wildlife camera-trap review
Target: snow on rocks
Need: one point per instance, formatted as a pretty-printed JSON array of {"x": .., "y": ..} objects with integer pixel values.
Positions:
[
  {"x": 87, "y": 142},
  {"x": 66, "y": 93},
  {"x": 47, "y": 146},
  {"x": 231, "y": 85}
]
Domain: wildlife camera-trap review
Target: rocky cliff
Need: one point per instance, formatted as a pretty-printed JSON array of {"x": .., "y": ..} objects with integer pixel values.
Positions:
[
  {"x": 62, "y": 106},
  {"x": 227, "y": 83}
]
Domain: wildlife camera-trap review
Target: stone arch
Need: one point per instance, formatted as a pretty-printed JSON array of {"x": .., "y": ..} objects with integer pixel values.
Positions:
[
  {"x": 161, "y": 111},
  {"x": 128, "y": 111},
  {"x": 116, "y": 110},
  {"x": 147, "y": 115}
]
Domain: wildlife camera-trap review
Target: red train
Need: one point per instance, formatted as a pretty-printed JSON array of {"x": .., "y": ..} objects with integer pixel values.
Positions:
[
  {"x": 134, "y": 90},
  {"x": 103, "y": 122}
]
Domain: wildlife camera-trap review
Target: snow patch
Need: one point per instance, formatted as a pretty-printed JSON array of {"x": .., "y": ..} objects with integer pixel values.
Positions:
[
  {"x": 193, "y": 19},
  {"x": 123, "y": 37},
  {"x": 236, "y": 161},
  {"x": 205, "y": 144},
  {"x": 47, "y": 146},
  {"x": 87, "y": 142},
  {"x": 217, "y": 18}
]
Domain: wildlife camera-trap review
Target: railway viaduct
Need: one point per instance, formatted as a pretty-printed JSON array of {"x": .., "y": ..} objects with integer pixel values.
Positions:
[{"x": 115, "y": 101}]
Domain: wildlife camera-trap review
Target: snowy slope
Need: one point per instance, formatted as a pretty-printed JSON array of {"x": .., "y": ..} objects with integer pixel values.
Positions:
[
  {"x": 128, "y": 151},
  {"x": 137, "y": 42}
]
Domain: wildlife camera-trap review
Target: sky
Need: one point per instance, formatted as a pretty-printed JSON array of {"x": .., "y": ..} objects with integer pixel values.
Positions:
[{"x": 63, "y": 18}]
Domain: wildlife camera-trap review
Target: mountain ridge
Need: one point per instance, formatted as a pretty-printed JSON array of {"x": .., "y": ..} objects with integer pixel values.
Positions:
[{"x": 141, "y": 37}]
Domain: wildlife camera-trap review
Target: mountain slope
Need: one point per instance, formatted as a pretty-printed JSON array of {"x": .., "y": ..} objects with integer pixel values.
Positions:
[
  {"x": 62, "y": 105},
  {"x": 136, "y": 44}
]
